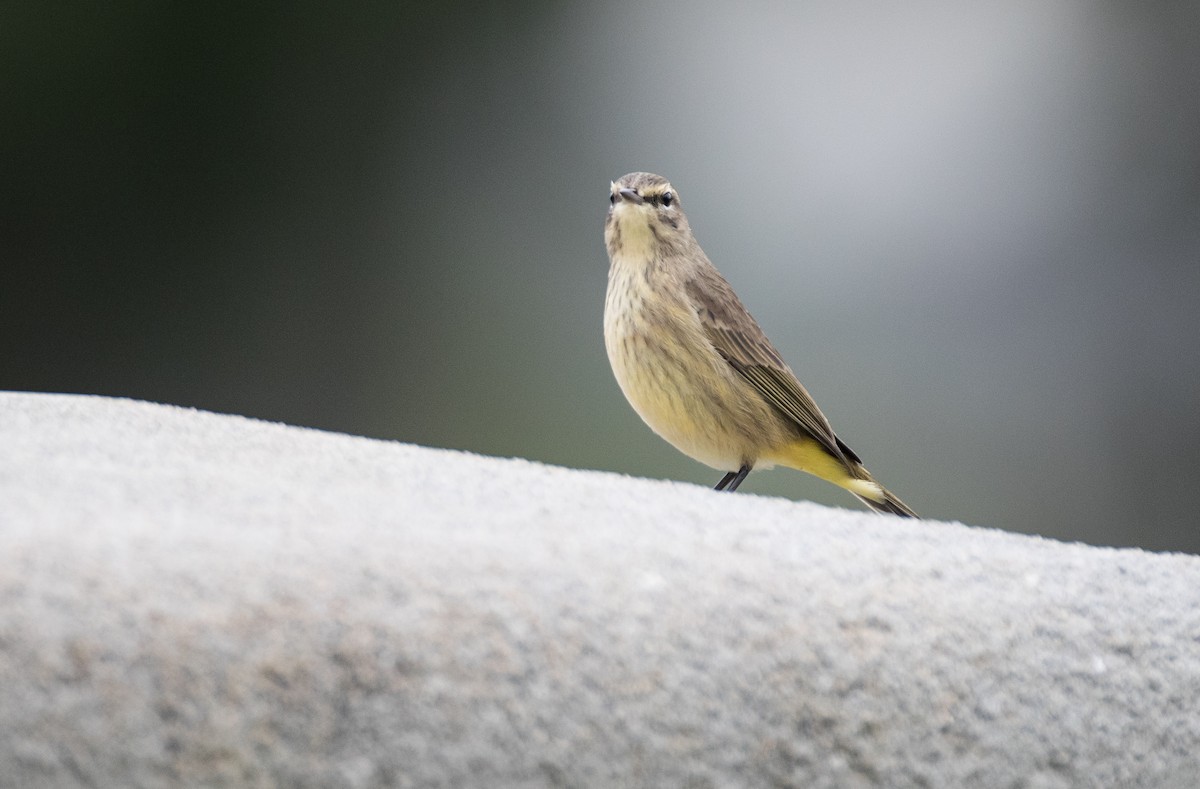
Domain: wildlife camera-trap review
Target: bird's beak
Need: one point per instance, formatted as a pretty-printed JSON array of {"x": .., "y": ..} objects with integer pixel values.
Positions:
[{"x": 630, "y": 196}]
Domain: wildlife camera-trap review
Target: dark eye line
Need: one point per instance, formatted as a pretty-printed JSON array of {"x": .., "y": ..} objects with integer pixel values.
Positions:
[{"x": 665, "y": 199}]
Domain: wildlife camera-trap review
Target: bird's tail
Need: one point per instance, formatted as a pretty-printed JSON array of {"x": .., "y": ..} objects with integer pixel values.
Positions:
[
  {"x": 886, "y": 502},
  {"x": 844, "y": 470},
  {"x": 869, "y": 492}
]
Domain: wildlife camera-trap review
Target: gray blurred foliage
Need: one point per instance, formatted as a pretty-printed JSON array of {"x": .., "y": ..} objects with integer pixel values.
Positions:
[{"x": 973, "y": 231}]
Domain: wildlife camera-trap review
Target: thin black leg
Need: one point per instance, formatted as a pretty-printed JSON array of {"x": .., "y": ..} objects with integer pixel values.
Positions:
[
  {"x": 731, "y": 480},
  {"x": 737, "y": 479}
]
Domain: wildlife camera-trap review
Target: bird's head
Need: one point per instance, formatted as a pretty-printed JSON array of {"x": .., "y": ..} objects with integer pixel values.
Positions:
[{"x": 644, "y": 217}]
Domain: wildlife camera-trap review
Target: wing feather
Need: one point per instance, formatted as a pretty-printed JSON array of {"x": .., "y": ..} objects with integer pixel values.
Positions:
[{"x": 737, "y": 337}]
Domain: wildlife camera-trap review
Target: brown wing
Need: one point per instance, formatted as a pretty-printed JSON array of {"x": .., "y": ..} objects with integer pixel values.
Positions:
[{"x": 740, "y": 341}]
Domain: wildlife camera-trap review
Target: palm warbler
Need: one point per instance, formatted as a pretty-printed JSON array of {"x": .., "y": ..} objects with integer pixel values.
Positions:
[{"x": 695, "y": 365}]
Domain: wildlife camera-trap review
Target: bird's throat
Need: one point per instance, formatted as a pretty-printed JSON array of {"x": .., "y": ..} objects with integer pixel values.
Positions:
[{"x": 633, "y": 242}]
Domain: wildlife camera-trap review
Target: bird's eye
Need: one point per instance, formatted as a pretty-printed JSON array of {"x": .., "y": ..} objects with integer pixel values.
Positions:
[
  {"x": 612, "y": 198},
  {"x": 667, "y": 199}
]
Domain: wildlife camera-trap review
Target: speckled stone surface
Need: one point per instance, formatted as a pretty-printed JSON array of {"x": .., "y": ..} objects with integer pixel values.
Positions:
[{"x": 190, "y": 599}]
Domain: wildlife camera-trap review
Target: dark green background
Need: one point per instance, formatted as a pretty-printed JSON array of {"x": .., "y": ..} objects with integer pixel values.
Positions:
[{"x": 974, "y": 233}]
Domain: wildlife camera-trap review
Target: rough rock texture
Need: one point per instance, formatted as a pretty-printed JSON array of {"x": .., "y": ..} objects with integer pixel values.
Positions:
[{"x": 189, "y": 599}]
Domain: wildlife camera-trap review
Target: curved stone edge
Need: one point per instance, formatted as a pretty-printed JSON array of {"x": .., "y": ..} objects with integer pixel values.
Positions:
[{"x": 195, "y": 599}]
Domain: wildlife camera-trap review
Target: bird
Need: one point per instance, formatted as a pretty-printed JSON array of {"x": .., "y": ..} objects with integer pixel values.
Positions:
[{"x": 694, "y": 364}]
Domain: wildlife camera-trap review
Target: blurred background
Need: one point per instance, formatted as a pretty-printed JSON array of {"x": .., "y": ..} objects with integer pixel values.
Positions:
[{"x": 973, "y": 230}]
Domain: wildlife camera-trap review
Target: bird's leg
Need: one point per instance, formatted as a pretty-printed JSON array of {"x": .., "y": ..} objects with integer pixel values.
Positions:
[
  {"x": 737, "y": 478},
  {"x": 731, "y": 480}
]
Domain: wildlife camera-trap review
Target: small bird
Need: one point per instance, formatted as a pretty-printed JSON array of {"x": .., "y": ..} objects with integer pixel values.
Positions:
[{"x": 694, "y": 364}]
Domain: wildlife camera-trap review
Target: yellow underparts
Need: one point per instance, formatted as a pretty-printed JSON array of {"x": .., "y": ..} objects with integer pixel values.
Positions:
[{"x": 807, "y": 455}]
